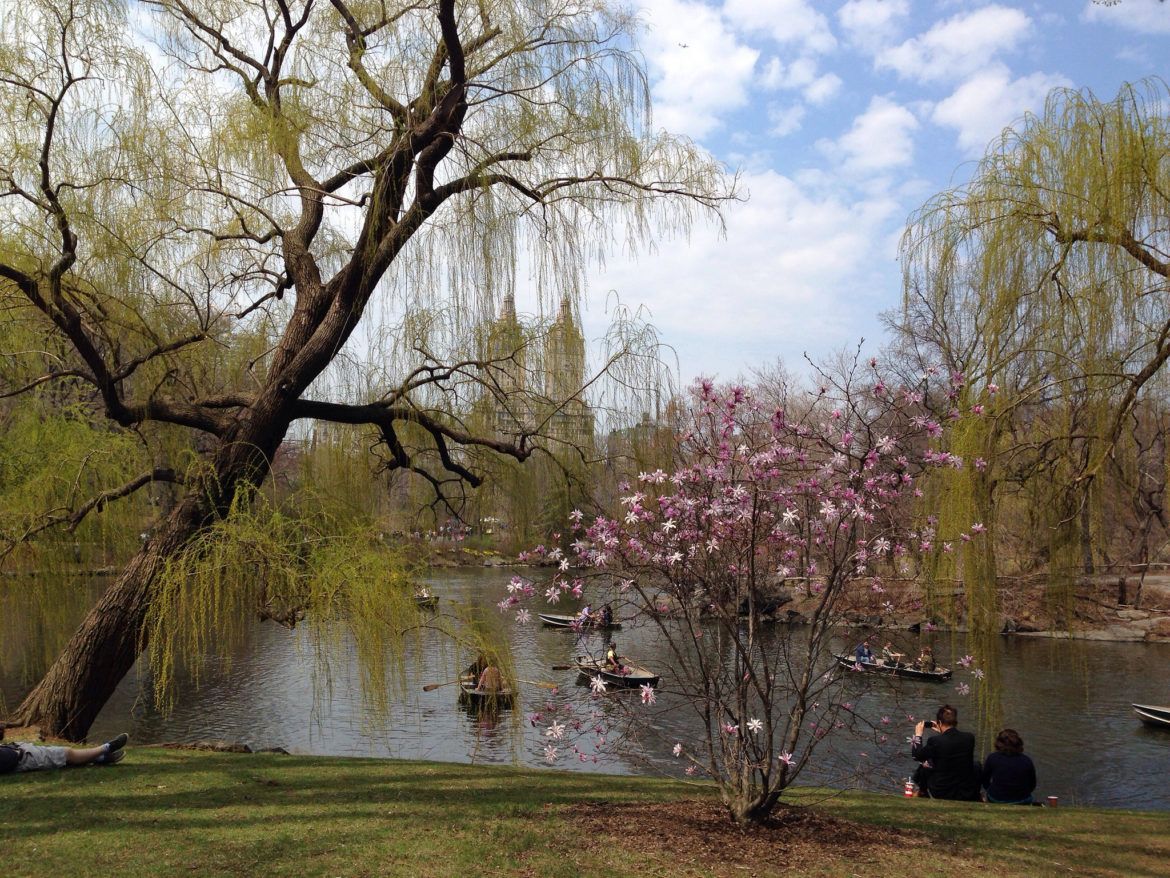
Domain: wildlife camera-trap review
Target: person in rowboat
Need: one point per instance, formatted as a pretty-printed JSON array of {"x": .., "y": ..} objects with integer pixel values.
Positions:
[
  {"x": 890, "y": 657},
  {"x": 925, "y": 661},
  {"x": 863, "y": 654},
  {"x": 613, "y": 661},
  {"x": 605, "y": 618},
  {"x": 491, "y": 680}
]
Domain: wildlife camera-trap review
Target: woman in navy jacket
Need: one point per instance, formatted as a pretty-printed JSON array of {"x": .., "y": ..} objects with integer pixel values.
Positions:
[{"x": 1008, "y": 775}]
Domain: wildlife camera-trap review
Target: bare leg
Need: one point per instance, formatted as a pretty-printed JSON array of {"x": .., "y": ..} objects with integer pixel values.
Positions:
[{"x": 83, "y": 755}]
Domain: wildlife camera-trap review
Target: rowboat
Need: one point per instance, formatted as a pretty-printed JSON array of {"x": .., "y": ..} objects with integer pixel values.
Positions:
[
  {"x": 1153, "y": 715},
  {"x": 899, "y": 670},
  {"x": 427, "y": 601},
  {"x": 474, "y": 698},
  {"x": 559, "y": 620},
  {"x": 630, "y": 677}
]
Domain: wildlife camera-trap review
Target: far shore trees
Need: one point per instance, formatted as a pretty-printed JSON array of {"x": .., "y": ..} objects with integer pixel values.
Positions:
[{"x": 205, "y": 203}]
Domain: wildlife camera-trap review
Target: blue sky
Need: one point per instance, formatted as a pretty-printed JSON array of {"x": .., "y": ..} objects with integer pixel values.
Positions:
[{"x": 843, "y": 118}]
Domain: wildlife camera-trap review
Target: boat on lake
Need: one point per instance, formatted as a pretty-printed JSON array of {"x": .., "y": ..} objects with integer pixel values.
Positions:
[
  {"x": 474, "y": 698},
  {"x": 896, "y": 670},
  {"x": 426, "y": 600},
  {"x": 561, "y": 620},
  {"x": 630, "y": 677},
  {"x": 1153, "y": 715}
]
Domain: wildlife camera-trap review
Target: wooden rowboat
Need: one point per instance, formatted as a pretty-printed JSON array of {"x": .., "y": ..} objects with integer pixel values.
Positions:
[
  {"x": 632, "y": 676},
  {"x": 560, "y": 620},
  {"x": 427, "y": 601},
  {"x": 899, "y": 670},
  {"x": 1153, "y": 715},
  {"x": 474, "y": 698}
]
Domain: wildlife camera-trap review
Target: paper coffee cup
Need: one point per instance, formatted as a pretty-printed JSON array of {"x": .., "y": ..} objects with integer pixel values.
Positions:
[{"x": 1052, "y": 800}]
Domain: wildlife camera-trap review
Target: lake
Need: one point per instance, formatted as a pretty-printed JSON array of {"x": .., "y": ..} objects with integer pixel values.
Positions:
[{"x": 1070, "y": 700}]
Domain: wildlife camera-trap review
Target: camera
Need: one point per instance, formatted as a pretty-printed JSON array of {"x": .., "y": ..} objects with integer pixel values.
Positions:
[{"x": 927, "y": 724}]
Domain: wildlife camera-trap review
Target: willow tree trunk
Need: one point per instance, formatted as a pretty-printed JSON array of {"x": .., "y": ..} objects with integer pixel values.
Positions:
[{"x": 109, "y": 640}]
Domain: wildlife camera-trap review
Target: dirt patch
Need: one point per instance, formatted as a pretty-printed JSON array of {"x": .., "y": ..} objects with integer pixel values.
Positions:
[{"x": 699, "y": 834}]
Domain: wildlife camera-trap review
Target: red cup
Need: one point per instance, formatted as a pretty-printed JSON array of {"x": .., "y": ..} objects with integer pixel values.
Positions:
[{"x": 1052, "y": 800}]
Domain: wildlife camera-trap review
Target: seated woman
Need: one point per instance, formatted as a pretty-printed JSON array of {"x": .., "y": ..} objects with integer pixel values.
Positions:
[
  {"x": 1008, "y": 774},
  {"x": 491, "y": 680},
  {"x": 889, "y": 657},
  {"x": 605, "y": 619},
  {"x": 925, "y": 661},
  {"x": 473, "y": 670}
]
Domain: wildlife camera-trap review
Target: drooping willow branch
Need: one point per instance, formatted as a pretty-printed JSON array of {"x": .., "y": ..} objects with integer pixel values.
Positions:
[{"x": 72, "y": 518}]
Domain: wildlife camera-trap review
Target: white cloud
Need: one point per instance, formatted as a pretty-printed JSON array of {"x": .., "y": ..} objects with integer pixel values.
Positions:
[
  {"x": 1143, "y": 16},
  {"x": 880, "y": 138},
  {"x": 801, "y": 75},
  {"x": 699, "y": 69},
  {"x": 823, "y": 88},
  {"x": 785, "y": 120},
  {"x": 872, "y": 24},
  {"x": 985, "y": 104},
  {"x": 786, "y": 21},
  {"x": 800, "y": 270},
  {"x": 959, "y": 46}
]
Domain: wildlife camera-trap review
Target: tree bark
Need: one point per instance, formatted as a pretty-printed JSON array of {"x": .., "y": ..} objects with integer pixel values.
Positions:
[{"x": 104, "y": 648}]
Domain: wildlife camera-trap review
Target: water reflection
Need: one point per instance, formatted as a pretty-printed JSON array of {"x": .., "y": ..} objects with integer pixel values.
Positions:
[{"x": 1069, "y": 700}]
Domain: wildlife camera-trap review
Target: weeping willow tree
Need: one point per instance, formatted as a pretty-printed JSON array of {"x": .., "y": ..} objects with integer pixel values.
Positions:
[
  {"x": 181, "y": 179},
  {"x": 1045, "y": 283}
]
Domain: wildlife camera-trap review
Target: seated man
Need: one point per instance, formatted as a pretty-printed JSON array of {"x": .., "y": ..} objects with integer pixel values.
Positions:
[
  {"x": 613, "y": 661},
  {"x": 24, "y": 756},
  {"x": 949, "y": 756},
  {"x": 863, "y": 654},
  {"x": 889, "y": 657},
  {"x": 585, "y": 617}
]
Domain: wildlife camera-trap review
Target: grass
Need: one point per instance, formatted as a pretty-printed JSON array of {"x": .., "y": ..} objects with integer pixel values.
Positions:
[{"x": 170, "y": 812}]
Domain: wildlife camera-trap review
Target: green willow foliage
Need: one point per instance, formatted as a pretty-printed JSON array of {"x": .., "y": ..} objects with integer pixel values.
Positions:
[
  {"x": 310, "y": 557},
  {"x": 1044, "y": 280}
]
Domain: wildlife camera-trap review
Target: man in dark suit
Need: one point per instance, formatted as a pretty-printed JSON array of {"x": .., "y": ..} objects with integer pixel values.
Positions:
[{"x": 948, "y": 757}]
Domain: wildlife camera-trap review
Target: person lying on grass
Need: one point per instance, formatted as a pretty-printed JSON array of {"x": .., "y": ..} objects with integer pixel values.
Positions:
[{"x": 24, "y": 756}]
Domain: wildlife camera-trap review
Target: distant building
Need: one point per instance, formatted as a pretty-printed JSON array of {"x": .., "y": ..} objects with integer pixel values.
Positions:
[
  {"x": 532, "y": 377},
  {"x": 564, "y": 378}
]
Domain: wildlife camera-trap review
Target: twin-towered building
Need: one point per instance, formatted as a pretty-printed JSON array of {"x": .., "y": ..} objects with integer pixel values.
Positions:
[{"x": 534, "y": 377}]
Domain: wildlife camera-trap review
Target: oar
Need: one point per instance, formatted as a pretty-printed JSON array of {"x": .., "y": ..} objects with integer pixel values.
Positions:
[
  {"x": 563, "y": 667},
  {"x": 540, "y": 683},
  {"x": 430, "y": 687}
]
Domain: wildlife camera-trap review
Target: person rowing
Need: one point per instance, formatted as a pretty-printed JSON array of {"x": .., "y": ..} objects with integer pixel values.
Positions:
[{"x": 613, "y": 661}]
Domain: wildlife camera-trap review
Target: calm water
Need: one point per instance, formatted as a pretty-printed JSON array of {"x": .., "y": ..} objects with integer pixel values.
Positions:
[{"x": 1069, "y": 700}]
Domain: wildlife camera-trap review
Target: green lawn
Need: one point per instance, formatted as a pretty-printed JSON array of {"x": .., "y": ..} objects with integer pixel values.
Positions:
[{"x": 168, "y": 812}]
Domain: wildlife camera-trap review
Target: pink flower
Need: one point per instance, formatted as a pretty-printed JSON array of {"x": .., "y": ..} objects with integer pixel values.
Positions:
[
  {"x": 677, "y": 750},
  {"x": 648, "y": 695},
  {"x": 550, "y": 753},
  {"x": 786, "y": 758}
]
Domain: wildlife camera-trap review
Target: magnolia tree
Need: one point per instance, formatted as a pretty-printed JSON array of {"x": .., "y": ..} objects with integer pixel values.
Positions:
[{"x": 808, "y": 501}]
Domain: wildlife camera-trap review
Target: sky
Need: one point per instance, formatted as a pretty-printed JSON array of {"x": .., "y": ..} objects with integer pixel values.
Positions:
[{"x": 842, "y": 118}]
